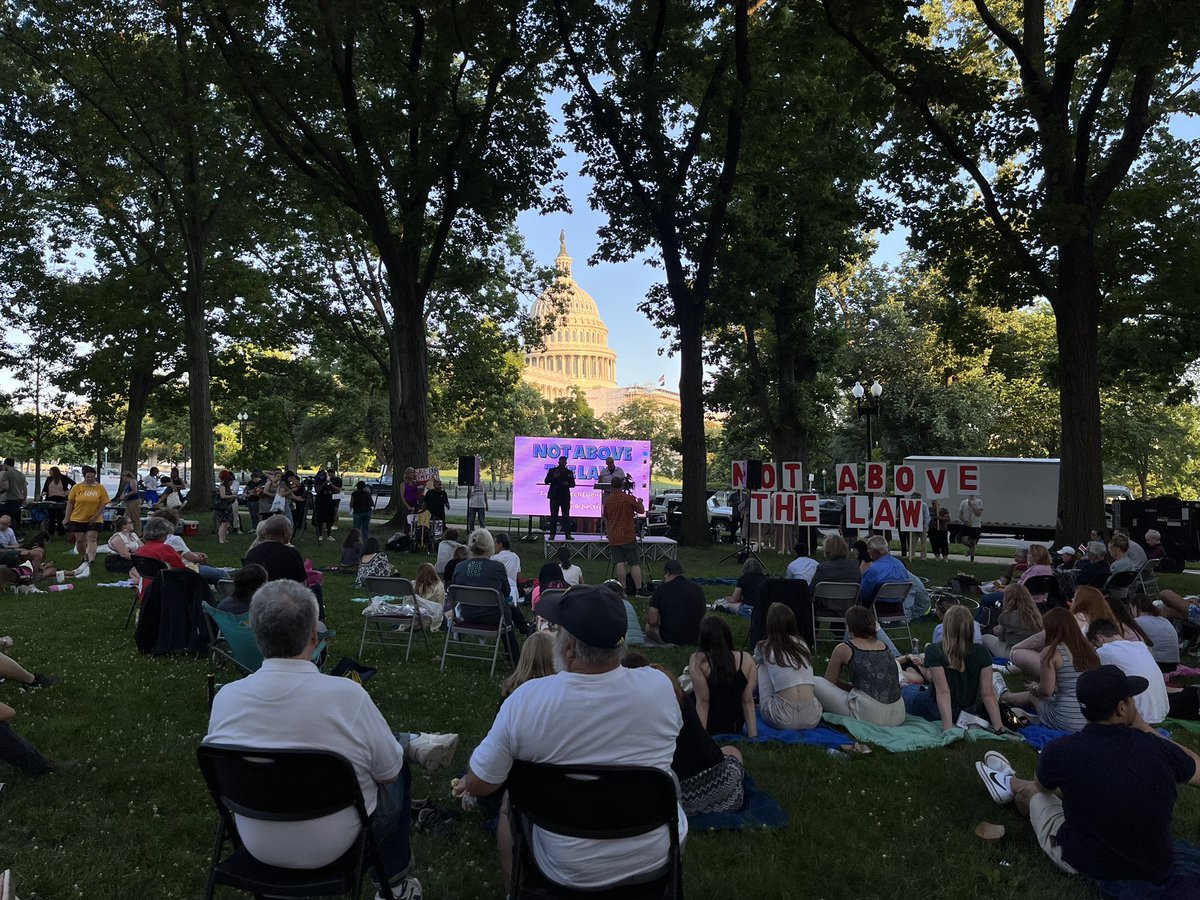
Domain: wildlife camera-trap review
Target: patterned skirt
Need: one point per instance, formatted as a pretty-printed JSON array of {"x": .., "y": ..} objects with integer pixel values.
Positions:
[{"x": 716, "y": 789}]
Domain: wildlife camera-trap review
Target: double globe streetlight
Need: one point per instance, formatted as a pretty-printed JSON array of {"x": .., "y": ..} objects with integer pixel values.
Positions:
[{"x": 867, "y": 401}]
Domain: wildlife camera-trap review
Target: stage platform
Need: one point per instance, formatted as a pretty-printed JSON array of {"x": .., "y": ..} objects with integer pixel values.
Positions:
[{"x": 595, "y": 546}]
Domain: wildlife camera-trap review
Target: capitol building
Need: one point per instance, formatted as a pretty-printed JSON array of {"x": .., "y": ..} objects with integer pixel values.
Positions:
[{"x": 576, "y": 352}]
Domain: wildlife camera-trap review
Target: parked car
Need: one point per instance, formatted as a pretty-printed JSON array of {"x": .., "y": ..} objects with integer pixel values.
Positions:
[
  {"x": 831, "y": 512},
  {"x": 381, "y": 486}
]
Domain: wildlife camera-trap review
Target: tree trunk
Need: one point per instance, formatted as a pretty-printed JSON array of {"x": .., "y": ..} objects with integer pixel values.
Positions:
[
  {"x": 408, "y": 397},
  {"x": 1081, "y": 474},
  {"x": 140, "y": 383},
  {"x": 690, "y": 319},
  {"x": 199, "y": 392}
]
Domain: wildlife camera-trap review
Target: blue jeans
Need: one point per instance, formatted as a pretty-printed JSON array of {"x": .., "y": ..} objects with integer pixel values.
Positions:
[
  {"x": 475, "y": 513},
  {"x": 362, "y": 521},
  {"x": 921, "y": 701},
  {"x": 18, "y": 752},
  {"x": 211, "y": 574},
  {"x": 390, "y": 823}
]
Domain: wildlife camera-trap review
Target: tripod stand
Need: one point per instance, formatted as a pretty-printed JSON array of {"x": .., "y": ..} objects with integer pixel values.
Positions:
[{"x": 745, "y": 550}]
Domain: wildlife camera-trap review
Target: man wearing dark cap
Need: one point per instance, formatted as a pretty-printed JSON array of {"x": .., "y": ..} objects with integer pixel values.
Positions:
[
  {"x": 593, "y": 711},
  {"x": 674, "y": 614},
  {"x": 1102, "y": 801}
]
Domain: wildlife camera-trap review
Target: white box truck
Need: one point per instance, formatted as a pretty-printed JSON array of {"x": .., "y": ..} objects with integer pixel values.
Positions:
[{"x": 1020, "y": 496}]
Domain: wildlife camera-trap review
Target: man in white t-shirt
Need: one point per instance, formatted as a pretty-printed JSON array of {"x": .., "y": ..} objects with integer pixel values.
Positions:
[
  {"x": 289, "y": 704},
  {"x": 593, "y": 712},
  {"x": 970, "y": 516},
  {"x": 510, "y": 561},
  {"x": 1132, "y": 658},
  {"x": 803, "y": 567}
]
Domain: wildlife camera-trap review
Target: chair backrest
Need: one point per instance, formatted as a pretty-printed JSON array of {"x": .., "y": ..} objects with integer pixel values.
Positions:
[
  {"x": 835, "y": 596},
  {"x": 262, "y": 784},
  {"x": 549, "y": 592},
  {"x": 1120, "y": 581},
  {"x": 389, "y": 586},
  {"x": 148, "y": 566},
  {"x": 225, "y": 586},
  {"x": 597, "y": 802},
  {"x": 893, "y": 592},
  {"x": 239, "y": 637},
  {"x": 1041, "y": 584},
  {"x": 468, "y": 595}
]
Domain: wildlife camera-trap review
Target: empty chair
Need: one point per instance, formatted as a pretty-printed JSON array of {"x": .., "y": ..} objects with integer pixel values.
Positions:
[
  {"x": 830, "y": 600},
  {"x": 889, "y": 606},
  {"x": 384, "y": 627}
]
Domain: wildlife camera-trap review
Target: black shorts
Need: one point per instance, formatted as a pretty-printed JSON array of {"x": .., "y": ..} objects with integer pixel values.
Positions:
[
  {"x": 624, "y": 553},
  {"x": 76, "y": 527},
  {"x": 969, "y": 534}
]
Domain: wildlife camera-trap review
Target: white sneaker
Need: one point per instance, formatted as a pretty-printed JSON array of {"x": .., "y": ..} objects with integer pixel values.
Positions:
[
  {"x": 997, "y": 783},
  {"x": 432, "y": 751},
  {"x": 409, "y": 890},
  {"x": 83, "y": 570},
  {"x": 998, "y": 762}
]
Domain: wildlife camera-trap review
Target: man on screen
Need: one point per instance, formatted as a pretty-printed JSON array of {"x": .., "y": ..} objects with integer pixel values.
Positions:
[{"x": 561, "y": 480}]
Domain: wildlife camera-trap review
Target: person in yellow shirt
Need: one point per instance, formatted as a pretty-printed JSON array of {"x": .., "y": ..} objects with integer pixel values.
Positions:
[{"x": 84, "y": 514}]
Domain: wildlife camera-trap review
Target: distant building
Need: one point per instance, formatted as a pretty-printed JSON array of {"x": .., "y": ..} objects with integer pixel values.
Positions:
[{"x": 576, "y": 352}]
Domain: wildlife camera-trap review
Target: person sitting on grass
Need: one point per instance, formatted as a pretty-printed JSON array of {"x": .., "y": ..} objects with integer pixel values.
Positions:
[
  {"x": 1065, "y": 656},
  {"x": 537, "y": 661},
  {"x": 431, "y": 593},
  {"x": 676, "y": 609},
  {"x": 803, "y": 567},
  {"x": 724, "y": 681},
  {"x": 745, "y": 592},
  {"x": 1162, "y": 638},
  {"x": 352, "y": 550},
  {"x": 289, "y": 704},
  {"x": 873, "y": 692},
  {"x": 1133, "y": 658},
  {"x": 1019, "y": 619},
  {"x": 246, "y": 581},
  {"x": 634, "y": 636},
  {"x": 1102, "y": 799},
  {"x": 14, "y": 749},
  {"x": 944, "y": 604},
  {"x": 373, "y": 563},
  {"x": 445, "y": 549},
  {"x": 786, "y": 695},
  {"x": 572, "y": 574},
  {"x": 711, "y": 777},
  {"x": 122, "y": 545},
  {"x": 961, "y": 673}
]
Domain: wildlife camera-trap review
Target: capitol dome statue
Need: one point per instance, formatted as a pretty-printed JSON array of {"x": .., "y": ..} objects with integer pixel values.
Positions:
[{"x": 576, "y": 352}]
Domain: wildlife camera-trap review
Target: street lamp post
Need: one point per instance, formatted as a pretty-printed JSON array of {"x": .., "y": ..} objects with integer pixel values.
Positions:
[
  {"x": 867, "y": 402},
  {"x": 242, "y": 419}
]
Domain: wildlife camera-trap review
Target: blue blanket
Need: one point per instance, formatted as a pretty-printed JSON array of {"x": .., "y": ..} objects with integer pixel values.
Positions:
[
  {"x": 759, "y": 810},
  {"x": 821, "y": 736},
  {"x": 728, "y": 581},
  {"x": 1183, "y": 882},
  {"x": 1038, "y": 736}
]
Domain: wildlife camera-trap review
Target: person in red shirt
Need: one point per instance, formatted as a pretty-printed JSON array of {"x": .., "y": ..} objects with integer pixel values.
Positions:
[{"x": 154, "y": 532}]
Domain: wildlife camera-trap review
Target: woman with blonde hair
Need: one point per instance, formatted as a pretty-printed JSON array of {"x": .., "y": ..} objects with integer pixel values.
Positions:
[
  {"x": 1066, "y": 654},
  {"x": 431, "y": 593},
  {"x": 786, "y": 693},
  {"x": 961, "y": 673},
  {"x": 536, "y": 661},
  {"x": 1019, "y": 618}
]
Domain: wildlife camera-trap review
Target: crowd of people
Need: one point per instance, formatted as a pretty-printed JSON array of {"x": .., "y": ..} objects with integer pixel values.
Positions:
[{"x": 1091, "y": 666}]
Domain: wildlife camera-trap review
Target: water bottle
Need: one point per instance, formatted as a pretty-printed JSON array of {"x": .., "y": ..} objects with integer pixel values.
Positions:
[
  {"x": 60, "y": 587},
  {"x": 836, "y": 753}
]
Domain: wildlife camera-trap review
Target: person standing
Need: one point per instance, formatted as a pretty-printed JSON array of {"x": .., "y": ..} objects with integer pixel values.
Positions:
[
  {"x": 410, "y": 496},
  {"x": 437, "y": 501},
  {"x": 54, "y": 491},
  {"x": 970, "y": 515},
  {"x": 253, "y": 495},
  {"x": 17, "y": 491},
  {"x": 939, "y": 530},
  {"x": 85, "y": 513},
  {"x": 362, "y": 504},
  {"x": 620, "y": 507},
  {"x": 561, "y": 481},
  {"x": 477, "y": 505},
  {"x": 128, "y": 493}
]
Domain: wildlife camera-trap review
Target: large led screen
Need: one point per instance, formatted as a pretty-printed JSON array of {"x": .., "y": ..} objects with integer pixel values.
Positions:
[{"x": 534, "y": 456}]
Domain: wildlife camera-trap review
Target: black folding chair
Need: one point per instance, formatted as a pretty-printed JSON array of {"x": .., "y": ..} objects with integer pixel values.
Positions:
[
  {"x": 593, "y": 802},
  {"x": 147, "y": 568},
  {"x": 262, "y": 784},
  {"x": 1118, "y": 586},
  {"x": 1047, "y": 585}
]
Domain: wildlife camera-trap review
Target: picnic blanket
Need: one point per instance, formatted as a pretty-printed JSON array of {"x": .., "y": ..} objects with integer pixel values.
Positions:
[
  {"x": 914, "y": 734},
  {"x": 1185, "y": 724},
  {"x": 729, "y": 581},
  {"x": 1181, "y": 672},
  {"x": 820, "y": 736},
  {"x": 1184, "y": 880},
  {"x": 1038, "y": 736},
  {"x": 759, "y": 810}
]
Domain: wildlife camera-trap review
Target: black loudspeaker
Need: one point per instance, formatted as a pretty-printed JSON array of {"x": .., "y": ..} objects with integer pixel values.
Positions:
[
  {"x": 754, "y": 474},
  {"x": 466, "y": 471}
]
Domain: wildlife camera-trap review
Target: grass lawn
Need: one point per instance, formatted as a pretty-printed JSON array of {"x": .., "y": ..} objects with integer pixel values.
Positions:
[{"x": 134, "y": 821}]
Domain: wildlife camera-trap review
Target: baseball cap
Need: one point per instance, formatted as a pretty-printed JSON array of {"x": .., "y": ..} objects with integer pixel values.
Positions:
[
  {"x": 1102, "y": 689},
  {"x": 1067, "y": 551},
  {"x": 591, "y": 613},
  {"x": 673, "y": 567}
]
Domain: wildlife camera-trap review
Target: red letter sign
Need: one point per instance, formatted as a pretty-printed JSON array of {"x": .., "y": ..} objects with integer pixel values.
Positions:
[
  {"x": 876, "y": 478},
  {"x": 858, "y": 511},
  {"x": 791, "y": 477},
  {"x": 810, "y": 510},
  {"x": 769, "y": 479},
  {"x": 905, "y": 479},
  {"x": 968, "y": 478},
  {"x": 910, "y": 514},
  {"x": 760, "y": 507},
  {"x": 739, "y": 474},
  {"x": 885, "y": 513},
  {"x": 847, "y": 478},
  {"x": 783, "y": 508},
  {"x": 935, "y": 480}
]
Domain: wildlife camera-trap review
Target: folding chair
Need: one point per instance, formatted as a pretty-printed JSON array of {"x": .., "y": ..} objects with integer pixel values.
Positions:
[
  {"x": 1147, "y": 579},
  {"x": 1117, "y": 586},
  {"x": 385, "y": 625},
  {"x": 262, "y": 785},
  {"x": 225, "y": 587},
  {"x": 1048, "y": 586},
  {"x": 831, "y": 600},
  {"x": 792, "y": 593},
  {"x": 230, "y": 640},
  {"x": 889, "y": 606},
  {"x": 469, "y": 638},
  {"x": 600, "y": 802},
  {"x": 147, "y": 568}
]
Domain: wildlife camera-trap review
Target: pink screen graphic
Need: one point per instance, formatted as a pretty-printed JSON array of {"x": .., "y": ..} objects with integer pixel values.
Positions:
[{"x": 534, "y": 456}]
